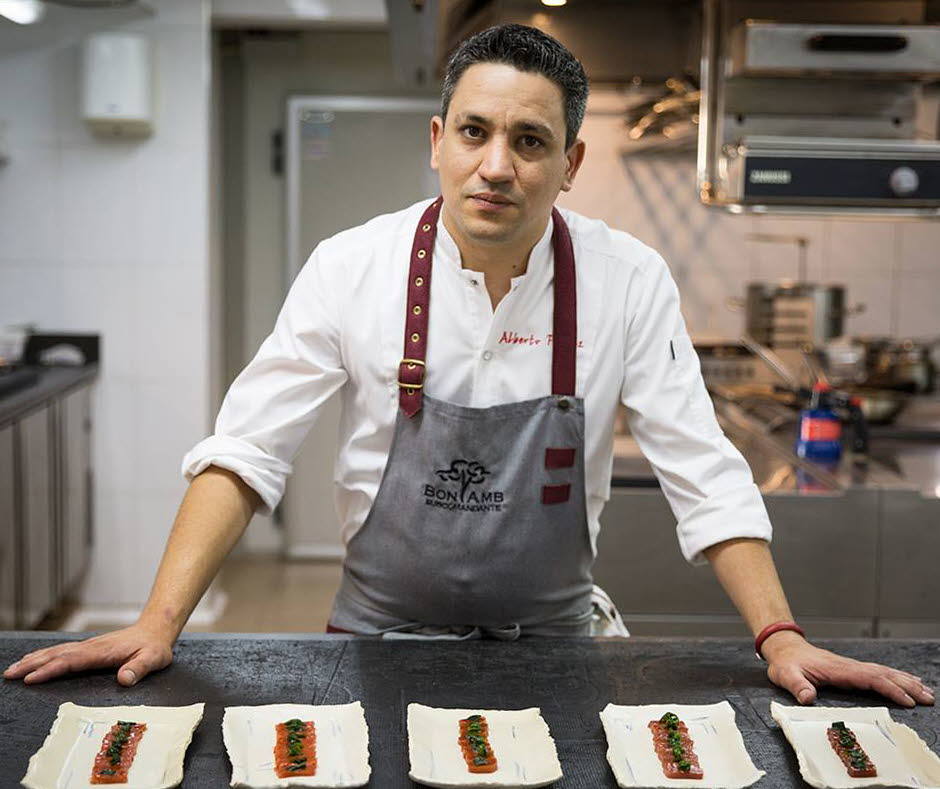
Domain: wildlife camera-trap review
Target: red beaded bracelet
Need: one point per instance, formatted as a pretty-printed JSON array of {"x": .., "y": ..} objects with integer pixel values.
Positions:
[{"x": 768, "y": 631}]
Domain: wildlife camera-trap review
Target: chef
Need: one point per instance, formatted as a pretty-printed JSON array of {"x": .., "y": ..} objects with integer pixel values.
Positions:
[{"x": 481, "y": 343}]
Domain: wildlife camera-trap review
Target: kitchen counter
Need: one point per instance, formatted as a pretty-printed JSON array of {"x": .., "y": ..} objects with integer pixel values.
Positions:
[
  {"x": 855, "y": 547},
  {"x": 53, "y": 381},
  {"x": 904, "y": 456},
  {"x": 570, "y": 679}
]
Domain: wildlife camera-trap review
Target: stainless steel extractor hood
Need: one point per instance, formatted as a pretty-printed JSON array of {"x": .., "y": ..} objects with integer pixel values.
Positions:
[
  {"x": 638, "y": 42},
  {"x": 819, "y": 115}
]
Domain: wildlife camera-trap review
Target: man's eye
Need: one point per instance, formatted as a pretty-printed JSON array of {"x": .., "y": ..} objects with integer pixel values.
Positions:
[
  {"x": 474, "y": 132},
  {"x": 528, "y": 141}
]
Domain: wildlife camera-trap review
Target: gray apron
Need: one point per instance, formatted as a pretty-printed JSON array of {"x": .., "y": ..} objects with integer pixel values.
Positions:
[{"x": 480, "y": 525}]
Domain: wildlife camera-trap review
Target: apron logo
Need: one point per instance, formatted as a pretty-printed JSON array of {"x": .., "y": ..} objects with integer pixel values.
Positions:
[{"x": 465, "y": 473}]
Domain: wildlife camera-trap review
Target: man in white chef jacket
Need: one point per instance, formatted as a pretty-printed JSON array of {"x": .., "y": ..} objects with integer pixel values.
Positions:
[{"x": 505, "y": 145}]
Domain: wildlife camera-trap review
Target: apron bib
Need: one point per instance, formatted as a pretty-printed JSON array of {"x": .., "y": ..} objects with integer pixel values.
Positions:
[{"x": 480, "y": 522}]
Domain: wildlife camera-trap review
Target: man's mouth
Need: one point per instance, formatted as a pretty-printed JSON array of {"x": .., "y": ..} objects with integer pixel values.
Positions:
[{"x": 490, "y": 200}]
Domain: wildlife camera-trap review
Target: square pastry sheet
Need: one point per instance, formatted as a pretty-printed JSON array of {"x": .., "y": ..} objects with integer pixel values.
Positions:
[
  {"x": 66, "y": 758},
  {"x": 342, "y": 744},
  {"x": 717, "y": 742},
  {"x": 524, "y": 748},
  {"x": 899, "y": 755}
]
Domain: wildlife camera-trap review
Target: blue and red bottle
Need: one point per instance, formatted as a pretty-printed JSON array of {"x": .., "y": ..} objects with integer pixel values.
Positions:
[{"x": 820, "y": 436}]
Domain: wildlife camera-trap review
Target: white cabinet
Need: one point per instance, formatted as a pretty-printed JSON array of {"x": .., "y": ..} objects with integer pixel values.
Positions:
[
  {"x": 73, "y": 527},
  {"x": 36, "y": 516},
  {"x": 45, "y": 506}
]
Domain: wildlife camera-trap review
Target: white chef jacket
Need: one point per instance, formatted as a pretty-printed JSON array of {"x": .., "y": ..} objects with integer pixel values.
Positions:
[{"x": 341, "y": 329}]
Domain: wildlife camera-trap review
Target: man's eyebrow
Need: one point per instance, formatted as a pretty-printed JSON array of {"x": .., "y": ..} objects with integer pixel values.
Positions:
[
  {"x": 526, "y": 126},
  {"x": 538, "y": 128}
]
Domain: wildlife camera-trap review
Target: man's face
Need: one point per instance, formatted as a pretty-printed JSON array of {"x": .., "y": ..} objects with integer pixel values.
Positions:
[{"x": 501, "y": 153}]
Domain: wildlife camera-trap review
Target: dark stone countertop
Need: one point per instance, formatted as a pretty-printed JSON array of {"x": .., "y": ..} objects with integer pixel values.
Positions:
[
  {"x": 53, "y": 382},
  {"x": 570, "y": 679}
]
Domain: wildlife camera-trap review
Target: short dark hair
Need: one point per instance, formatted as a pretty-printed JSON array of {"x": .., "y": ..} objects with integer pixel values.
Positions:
[{"x": 527, "y": 49}]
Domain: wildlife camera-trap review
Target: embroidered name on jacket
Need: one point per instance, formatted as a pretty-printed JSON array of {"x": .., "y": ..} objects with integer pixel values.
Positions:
[
  {"x": 514, "y": 338},
  {"x": 461, "y": 490}
]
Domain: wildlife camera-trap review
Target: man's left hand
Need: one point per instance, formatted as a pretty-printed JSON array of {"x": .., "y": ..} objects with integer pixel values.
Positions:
[{"x": 799, "y": 667}]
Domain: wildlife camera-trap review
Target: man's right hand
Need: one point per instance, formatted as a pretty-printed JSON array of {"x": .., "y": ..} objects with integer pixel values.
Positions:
[{"x": 135, "y": 650}]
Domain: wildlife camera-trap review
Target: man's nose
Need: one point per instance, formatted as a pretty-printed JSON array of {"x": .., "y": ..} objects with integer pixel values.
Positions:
[{"x": 496, "y": 165}]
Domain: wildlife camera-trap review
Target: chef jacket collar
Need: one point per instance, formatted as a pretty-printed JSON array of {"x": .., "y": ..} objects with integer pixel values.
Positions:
[{"x": 447, "y": 253}]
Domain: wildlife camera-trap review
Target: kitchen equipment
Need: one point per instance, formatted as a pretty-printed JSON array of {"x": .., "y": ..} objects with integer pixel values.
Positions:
[
  {"x": 859, "y": 404},
  {"x": 844, "y": 360},
  {"x": 739, "y": 372},
  {"x": 759, "y": 47},
  {"x": 877, "y": 406},
  {"x": 787, "y": 314},
  {"x": 770, "y": 169},
  {"x": 801, "y": 114},
  {"x": 904, "y": 365}
]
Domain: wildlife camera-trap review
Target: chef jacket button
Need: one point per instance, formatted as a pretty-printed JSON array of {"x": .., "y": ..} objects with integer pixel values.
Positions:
[
  {"x": 564, "y": 403},
  {"x": 487, "y": 355}
]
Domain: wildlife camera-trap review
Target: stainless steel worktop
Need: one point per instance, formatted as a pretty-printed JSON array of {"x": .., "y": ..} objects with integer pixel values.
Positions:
[
  {"x": 910, "y": 448},
  {"x": 903, "y": 456}
]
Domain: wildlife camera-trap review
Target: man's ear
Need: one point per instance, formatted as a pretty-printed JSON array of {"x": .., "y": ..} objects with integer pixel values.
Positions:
[
  {"x": 437, "y": 134},
  {"x": 574, "y": 156}
]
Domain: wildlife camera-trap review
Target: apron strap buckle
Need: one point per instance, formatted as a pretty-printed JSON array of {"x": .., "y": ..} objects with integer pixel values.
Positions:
[{"x": 410, "y": 382}]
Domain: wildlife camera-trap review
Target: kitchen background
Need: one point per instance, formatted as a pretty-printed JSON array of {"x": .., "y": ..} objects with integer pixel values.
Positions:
[{"x": 173, "y": 249}]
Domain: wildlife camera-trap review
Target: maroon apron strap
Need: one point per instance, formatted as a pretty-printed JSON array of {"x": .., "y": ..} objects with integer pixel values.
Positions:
[
  {"x": 411, "y": 369},
  {"x": 565, "y": 319}
]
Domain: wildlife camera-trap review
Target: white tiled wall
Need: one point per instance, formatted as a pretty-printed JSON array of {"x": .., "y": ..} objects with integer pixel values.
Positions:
[
  {"x": 892, "y": 267},
  {"x": 112, "y": 236}
]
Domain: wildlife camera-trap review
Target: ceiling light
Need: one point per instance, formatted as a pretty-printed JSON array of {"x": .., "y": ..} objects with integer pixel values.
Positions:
[
  {"x": 554, "y": 3},
  {"x": 23, "y": 12}
]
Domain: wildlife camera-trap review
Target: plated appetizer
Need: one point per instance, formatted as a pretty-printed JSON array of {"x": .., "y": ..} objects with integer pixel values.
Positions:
[
  {"x": 660, "y": 745},
  {"x": 674, "y": 747},
  {"x": 480, "y": 748},
  {"x": 851, "y": 747},
  {"x": 474, "y": 741},
  {"x": 135, "y": 746},
  {"x": 118, "y": 749},
  {"x": 279, "y": 745},
  {"x": 295, "y": 748},
  {"x": 853, "y": 756}
]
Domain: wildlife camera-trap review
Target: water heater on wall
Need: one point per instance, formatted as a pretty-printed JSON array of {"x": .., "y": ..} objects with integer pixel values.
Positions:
[{"x": 117, "y": 85}]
